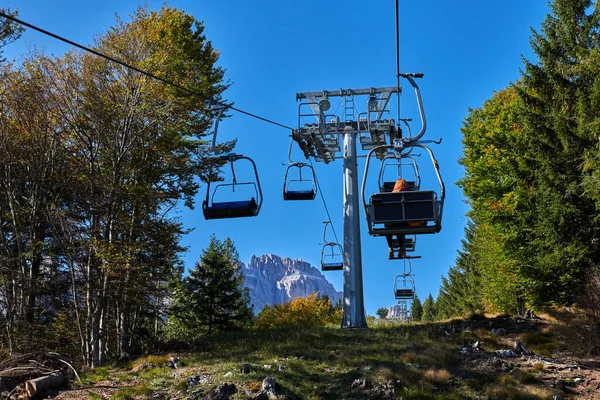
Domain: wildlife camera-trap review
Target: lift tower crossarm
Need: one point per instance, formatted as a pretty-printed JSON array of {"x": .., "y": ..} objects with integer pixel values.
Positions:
[{"x": 345, "y": 92}]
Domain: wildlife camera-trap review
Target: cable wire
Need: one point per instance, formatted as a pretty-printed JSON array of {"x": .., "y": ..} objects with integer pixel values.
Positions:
[
  {"x": 166, "y": 81},
  {"x": 398, "y": 55},
  {"x": 324, "y": 203}
]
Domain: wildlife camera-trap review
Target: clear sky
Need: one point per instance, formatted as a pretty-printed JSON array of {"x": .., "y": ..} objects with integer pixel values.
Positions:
[{"x": 273, "y": 49}]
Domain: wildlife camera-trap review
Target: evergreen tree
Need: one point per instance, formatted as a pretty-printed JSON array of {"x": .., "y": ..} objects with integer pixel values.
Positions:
[
  {"x": 429, "y": 312},
  {"x": 416, "y": 309},
  {"x": 560, "y": 117},
  {"x": 212, "y": 298},
  {"x": 382, "y": 312}
]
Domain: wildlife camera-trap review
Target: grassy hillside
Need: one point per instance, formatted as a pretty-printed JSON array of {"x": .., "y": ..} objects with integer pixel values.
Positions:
[{"x": 408, "y": 361}]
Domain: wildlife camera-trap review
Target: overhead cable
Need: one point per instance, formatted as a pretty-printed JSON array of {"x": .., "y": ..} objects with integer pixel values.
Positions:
[
  {"x": 168, "y": 82},
  {"x": 324, "y": 203}
]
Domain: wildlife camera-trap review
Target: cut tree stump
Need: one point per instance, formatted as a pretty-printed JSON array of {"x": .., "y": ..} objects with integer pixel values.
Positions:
[{"x": 36, "y": 387}]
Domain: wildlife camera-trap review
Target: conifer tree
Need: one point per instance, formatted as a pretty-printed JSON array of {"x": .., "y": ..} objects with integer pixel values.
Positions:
[
  {"x": 416, "y": 309},
  {"x": 429, "y": 312},
  {"x": 560, "y": 119},
  {"x": 212, "y": 298},
  {"x": 382, "y": 312}
]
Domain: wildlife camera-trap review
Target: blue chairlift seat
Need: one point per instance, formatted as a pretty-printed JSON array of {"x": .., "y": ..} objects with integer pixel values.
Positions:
[
  {"x": 230, "y": 209},
  {"x": 299, "y": 195},
  {"x": 332, "y": 266}
]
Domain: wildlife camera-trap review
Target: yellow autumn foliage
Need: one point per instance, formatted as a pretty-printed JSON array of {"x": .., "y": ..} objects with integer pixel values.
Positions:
[{"x": 300, "y": 312}]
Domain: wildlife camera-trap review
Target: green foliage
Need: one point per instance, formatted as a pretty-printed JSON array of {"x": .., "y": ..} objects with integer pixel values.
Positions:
[
  {"x": 416, "y": 309},
  {"x": 212, "y": 298},
  {"x": 429, "y": 309},
  {"x": 9, "y": 30},
  {"x": 530, "y": 158},
  {"x": 307, "y": 311},
  {"x": 382, "y": 312}
]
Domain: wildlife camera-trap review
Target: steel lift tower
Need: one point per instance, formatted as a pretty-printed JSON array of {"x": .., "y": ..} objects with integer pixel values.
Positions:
[{"x": 321, "y": 139}]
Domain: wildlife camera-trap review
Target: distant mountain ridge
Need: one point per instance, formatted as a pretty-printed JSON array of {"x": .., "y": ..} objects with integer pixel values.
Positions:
[{"x": 274, "y": 280}]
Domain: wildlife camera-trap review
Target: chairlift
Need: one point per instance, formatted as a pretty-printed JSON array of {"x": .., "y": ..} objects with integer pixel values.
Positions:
[
  {"x": 297, "y": 187},
  {"x": 224, "y": 208},
  {"x": 332, "y": 253},
  {"x": 410, "y": 212},
  {"x": 404, "y": 287}
]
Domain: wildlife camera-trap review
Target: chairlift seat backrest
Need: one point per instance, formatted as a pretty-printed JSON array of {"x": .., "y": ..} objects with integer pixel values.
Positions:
[
  {"x": 404, "y": 213},
  {"x": 404, "y": 293},
  {"x": 230, "y": 209},
  {"x": 332, "y": 266},
  {"x": 299, "y": 195}
]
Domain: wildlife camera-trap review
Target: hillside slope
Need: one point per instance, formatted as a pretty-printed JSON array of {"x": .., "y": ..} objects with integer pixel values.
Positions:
[{"x": 450, "y": 360}]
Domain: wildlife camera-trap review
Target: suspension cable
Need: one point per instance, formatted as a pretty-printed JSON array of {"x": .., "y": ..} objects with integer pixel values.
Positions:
[
  {"x": 398, "y": 54},
  {"x": 166, "y": 81},
  {"x": 324, "y": 203}
]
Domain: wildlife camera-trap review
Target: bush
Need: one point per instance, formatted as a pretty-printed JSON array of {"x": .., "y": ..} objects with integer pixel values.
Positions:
[{"x": 301, "y": 311}]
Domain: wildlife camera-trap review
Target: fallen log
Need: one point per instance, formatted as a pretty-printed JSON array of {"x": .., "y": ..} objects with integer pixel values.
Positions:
[{"x": 36, "y": 387}]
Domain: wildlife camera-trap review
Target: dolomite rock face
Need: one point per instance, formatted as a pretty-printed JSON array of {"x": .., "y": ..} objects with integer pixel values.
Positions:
[
  {"x": 397, "y": 312},
  {"x": 272, "y": 279}
]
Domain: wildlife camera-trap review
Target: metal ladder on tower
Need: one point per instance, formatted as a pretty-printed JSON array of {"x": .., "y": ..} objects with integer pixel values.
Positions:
[{"x": 349, "y": 107}]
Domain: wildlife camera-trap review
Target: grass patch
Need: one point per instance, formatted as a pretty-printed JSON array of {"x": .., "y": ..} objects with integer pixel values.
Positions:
[
  {"x": 542, "y": 343},
  {"x": 94, "y": 396},
  {"x": 129, "y": 393},
  {"x": 96, "y": 375}
]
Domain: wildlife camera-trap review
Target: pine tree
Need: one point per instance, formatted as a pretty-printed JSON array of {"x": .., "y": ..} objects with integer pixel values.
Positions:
[
  {"x": 429, "y": 312},
  {"x": 212, "y": 298},
  {"x": 416, "y": 309},
  {"x": 382, "y": 312},
  {"x": 560, "y": 119}
]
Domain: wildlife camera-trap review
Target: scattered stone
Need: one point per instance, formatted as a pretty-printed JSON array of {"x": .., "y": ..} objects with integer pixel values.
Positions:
[
  {"x": 362, "y": 384},
  {"x": 577, "y": 380},
  {"x": 506, "y": 353},
  {"x": 228, "y": 374},
  {"x": 498, "y": 331},
  {"x": 245, "y": 369},
  {"x": 222, "y": 392},
  {"x": 268, "y": 385},
  {"x": 197, "y": 380},
  {"x": 529, "y": 314},
  {"x": 267, "y": 366},
  {"x": 559, "y": 384},
  {"x": 476, "y": 345},
  {"x": 172, "y": 363},
  {"x": 282, "y": 367},
  {"x": 411, "y": 346},
  {"x": 385, "y": 390},
  {"x": 557, "y": 397},
  {"x": 520, "y": 349}
]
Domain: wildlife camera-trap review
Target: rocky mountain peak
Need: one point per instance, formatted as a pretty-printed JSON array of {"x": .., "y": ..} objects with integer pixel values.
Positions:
[{"x": 272, "y": 279}]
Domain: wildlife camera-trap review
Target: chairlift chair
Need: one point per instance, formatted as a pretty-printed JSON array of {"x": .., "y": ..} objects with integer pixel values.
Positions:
[
  {"x": 301, "y": 188},
  {"x": 404, "y": 213},
  {"x": 332, "y": 257},
  {"x": 231, "y": 209},
  {"x": 332, "y": 253},
  {"x": 404, "y": 287}
]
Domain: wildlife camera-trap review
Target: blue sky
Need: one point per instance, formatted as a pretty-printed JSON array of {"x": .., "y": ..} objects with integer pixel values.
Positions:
[{"x": 274, "y": 49}]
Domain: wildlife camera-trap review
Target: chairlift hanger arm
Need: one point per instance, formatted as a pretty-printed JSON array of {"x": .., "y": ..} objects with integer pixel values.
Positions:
[{"x": 411, "y": 80}]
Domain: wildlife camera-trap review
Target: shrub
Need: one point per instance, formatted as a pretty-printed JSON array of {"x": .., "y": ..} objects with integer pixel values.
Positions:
[{"x": 301, "y": 311}]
